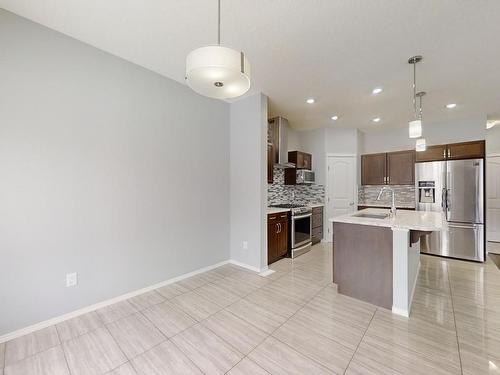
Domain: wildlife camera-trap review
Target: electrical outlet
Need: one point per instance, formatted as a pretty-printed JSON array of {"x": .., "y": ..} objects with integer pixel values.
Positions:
[
  {"x": 71, "y": 279},
  {"x": 245, "y": 245}
]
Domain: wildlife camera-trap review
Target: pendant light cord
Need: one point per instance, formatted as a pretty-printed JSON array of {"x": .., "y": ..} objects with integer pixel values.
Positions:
[
  {"x": 218, "y": 23},
  {"x": 414, "y": 88}
]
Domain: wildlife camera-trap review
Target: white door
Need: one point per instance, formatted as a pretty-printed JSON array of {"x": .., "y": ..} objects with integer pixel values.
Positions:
[
  {"x": 493, "y": 198},
  {"x": 341, "y": 189}
]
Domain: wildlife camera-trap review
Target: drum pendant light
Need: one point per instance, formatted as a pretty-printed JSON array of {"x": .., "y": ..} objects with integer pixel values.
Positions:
[
  {"x": 218, "y": 72},
  {"x": 415, "y": 126}
]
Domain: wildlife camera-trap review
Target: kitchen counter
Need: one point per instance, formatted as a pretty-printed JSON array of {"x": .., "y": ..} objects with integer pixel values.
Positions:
[
  {"x": 276, "y": 210},
  {"x": 411, "y": 220},
  {"x": 377, "y": 260},
  {"x": 314, "y": 205}
]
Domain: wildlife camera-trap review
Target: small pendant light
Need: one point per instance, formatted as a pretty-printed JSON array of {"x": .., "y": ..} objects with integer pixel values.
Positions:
[
  {"x": 420, "y": 144},
  {"x": 218, "y": 72},
  {"x": 415, "y": 126}
]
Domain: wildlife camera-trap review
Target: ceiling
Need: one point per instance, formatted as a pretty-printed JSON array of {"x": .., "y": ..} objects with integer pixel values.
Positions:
[{"x": 335, "y": 51}]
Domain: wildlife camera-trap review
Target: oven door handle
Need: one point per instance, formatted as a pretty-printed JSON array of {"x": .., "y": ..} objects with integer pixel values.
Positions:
[{"x": 301, "y": 216}]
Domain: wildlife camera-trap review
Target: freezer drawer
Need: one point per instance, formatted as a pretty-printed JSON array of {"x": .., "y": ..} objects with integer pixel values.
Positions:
[{"x": 465, "y": 241}]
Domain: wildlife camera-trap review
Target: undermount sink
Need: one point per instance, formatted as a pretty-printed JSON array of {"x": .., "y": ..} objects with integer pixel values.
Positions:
[{"x": 372, "y": 216}]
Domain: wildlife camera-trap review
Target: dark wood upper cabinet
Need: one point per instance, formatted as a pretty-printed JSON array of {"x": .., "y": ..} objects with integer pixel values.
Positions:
[
  {"x": 466, "y": 150},
  {"x": 302, "y": 160},
  {"x": 373, "y": 169},
  {"x": 462, "y": 150},
  {"x": 270, "y": 163},
  {"x": 432, "y": 153},
  {"x": 401, "y": 168}
]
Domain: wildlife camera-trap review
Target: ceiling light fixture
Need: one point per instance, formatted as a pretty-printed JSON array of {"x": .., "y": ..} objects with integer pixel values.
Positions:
[
  {"x": 377, "y": 90},
  {"x": 335, "y": 118},
  {"x": 310, "y": 101},
  {"x": 451, "y": 105},
  {"x": 376, "y": 119},
  {"x": 420, "y": 145},
  {"x": 415, "y": 126},
  {"x": 216, "y": 71}
]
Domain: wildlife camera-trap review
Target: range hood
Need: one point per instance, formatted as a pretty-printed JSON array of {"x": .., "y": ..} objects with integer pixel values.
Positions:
[{"x": 277, "y": 135}]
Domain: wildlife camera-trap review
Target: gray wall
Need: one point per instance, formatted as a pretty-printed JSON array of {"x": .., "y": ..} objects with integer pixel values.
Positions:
[
  {"x": 107, "y": 169},
  {"x": 249, "y": 181},
  {"x": 467, "y": 129}
]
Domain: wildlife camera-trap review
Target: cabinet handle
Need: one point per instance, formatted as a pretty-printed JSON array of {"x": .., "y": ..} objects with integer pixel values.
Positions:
[
  {"x": 272, "y": 218},
  {"x": 449, "y": 152},
  {"x": 278, "y": 226},
  {"x": 388, "y": 179},
  {"x": 444, "y": 153}
]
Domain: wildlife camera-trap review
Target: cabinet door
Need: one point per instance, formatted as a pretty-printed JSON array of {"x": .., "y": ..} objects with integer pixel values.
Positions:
[
  {"x": 270, "y": 164},
  {"x": 466, "y": 150},
  {"x": 433, "y": 153},
  {"x": 283, "y": 239},
  {"x": 401, "y": 168},
  {"x": 373, "y": 168},
  {"x": 272, "y": 241},
  {"x": 306, "y": 161},
  {"x": 301, "y": 160}
]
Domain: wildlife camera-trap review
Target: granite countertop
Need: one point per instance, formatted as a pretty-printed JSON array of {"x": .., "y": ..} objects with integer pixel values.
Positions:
[
  {"x": 275, "y": 210},
  {"x": 314, "y": 205},
  {"x": 384, "y": 205},
  {"x": 412, "y": 220}
]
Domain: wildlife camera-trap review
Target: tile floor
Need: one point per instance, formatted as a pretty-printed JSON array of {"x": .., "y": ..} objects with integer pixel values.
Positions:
[{"x": 230, "y": 320}]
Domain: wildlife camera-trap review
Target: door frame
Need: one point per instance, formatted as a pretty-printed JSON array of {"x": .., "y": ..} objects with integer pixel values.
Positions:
[
  {"x": 326, "y": 223},
  {"x": 488, "y": 156}
]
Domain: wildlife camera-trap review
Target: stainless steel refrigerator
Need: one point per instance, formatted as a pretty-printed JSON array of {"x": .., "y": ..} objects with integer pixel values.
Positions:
[{"x": 456, "y": 188}]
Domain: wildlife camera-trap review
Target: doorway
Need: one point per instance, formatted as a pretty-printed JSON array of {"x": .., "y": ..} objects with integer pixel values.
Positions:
[{"x": 341, "y": 188}]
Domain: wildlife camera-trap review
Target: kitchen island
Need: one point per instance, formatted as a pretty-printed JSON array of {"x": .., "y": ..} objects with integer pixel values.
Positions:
[{"x": 376, "y": 256}]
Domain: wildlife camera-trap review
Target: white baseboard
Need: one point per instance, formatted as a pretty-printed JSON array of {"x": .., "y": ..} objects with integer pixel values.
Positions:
[
  {"x": 84, "y": 310},
  {"x": 244, "y": 265},
  {"x": 401, "y": 312}
]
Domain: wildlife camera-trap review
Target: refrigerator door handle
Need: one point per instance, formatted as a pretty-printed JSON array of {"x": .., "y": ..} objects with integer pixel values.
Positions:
[{"x": 443, "y": 199}]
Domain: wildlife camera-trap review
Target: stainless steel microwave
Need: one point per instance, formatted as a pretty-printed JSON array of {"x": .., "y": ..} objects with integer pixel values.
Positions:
[{"x": 304, "y": 176}]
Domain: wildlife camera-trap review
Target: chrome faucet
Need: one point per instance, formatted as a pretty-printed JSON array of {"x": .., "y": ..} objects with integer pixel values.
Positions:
[{"x": 393, "y": 207}]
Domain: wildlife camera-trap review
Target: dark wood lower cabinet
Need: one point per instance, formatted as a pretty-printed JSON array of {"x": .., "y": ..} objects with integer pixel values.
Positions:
[{"x": 277, "y": 236}]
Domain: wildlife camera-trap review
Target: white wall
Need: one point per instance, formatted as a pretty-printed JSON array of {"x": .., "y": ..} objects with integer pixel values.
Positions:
[
  {"x": 493, "y": 140},
  {"x": 467, "y": 129},
  {"x": 248, "y": 168},
  {"x": 107, "y": 169}
]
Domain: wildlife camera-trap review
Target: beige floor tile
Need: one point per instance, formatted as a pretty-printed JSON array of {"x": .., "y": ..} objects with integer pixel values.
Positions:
[
  {"x": 226, "y": 269},
  {"x": 206, "y": 350},
  {"x": 217, "y": 294},
  {"x": 168, "y": 318},
  {"x": 196, "y": 281},
  {"x": 243, "y": 336},
  {"x": 402, "y": 359},
  {"x": 323, "y": 350},
  {"x": 93, "y": 353},
  {"x": 369, "y": 367},
  {"x": 164, "y": 359},
  {"x": 78, "y": 326},
  {"x": 195, "y": 305},
  {"x": 30, "y": 344},
  {"x": 280, "y": 359},
  {"x": 256, "y": 315},
  {"x": 172, "y": 290},
  {"x": 276, "y": 302},
  {"x": 145, "y": 300},
  {"x": 49, "y": 362},
  {"x": 476, "y": 362},
  {"x": 125, "y": 369},
  {"x": 247, "y": 367},
  {"x": 135, "y": 334},
  {"x": 116, "y": 311},
  {"x": 237, "y": 287},
  {"x": 299, "y": 290},
  {"x": 250, "y": 278},
  {"x": 335, "y": 329}
]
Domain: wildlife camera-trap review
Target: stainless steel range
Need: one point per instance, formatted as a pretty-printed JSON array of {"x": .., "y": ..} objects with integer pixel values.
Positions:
[{"x": 301, "y": 231}]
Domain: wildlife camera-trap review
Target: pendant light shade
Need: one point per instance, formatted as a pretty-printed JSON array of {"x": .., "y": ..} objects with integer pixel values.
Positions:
[
  {"x": 420, "y": 145},
  {"x": 218, "y": 72},
  {"x": 415, "y": 129}
]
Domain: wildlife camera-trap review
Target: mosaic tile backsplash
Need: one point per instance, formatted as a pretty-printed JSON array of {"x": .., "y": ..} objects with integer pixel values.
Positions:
[
  {"x": 278, "y": 192},
  {"x": 404, "y": 195}
]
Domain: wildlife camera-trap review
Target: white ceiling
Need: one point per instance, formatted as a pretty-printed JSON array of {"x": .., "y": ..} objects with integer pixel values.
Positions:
[{"x": 336, "y": 51}]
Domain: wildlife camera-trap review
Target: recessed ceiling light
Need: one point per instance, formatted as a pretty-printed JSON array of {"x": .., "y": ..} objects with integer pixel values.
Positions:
[
  {"x": 334, "y": 118},
  {"x": 310, "y": 101},
  {"x": 377, "y": 90},
  {"x": 376, "y": 119},
  {"x": 451, "y": 105}
]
